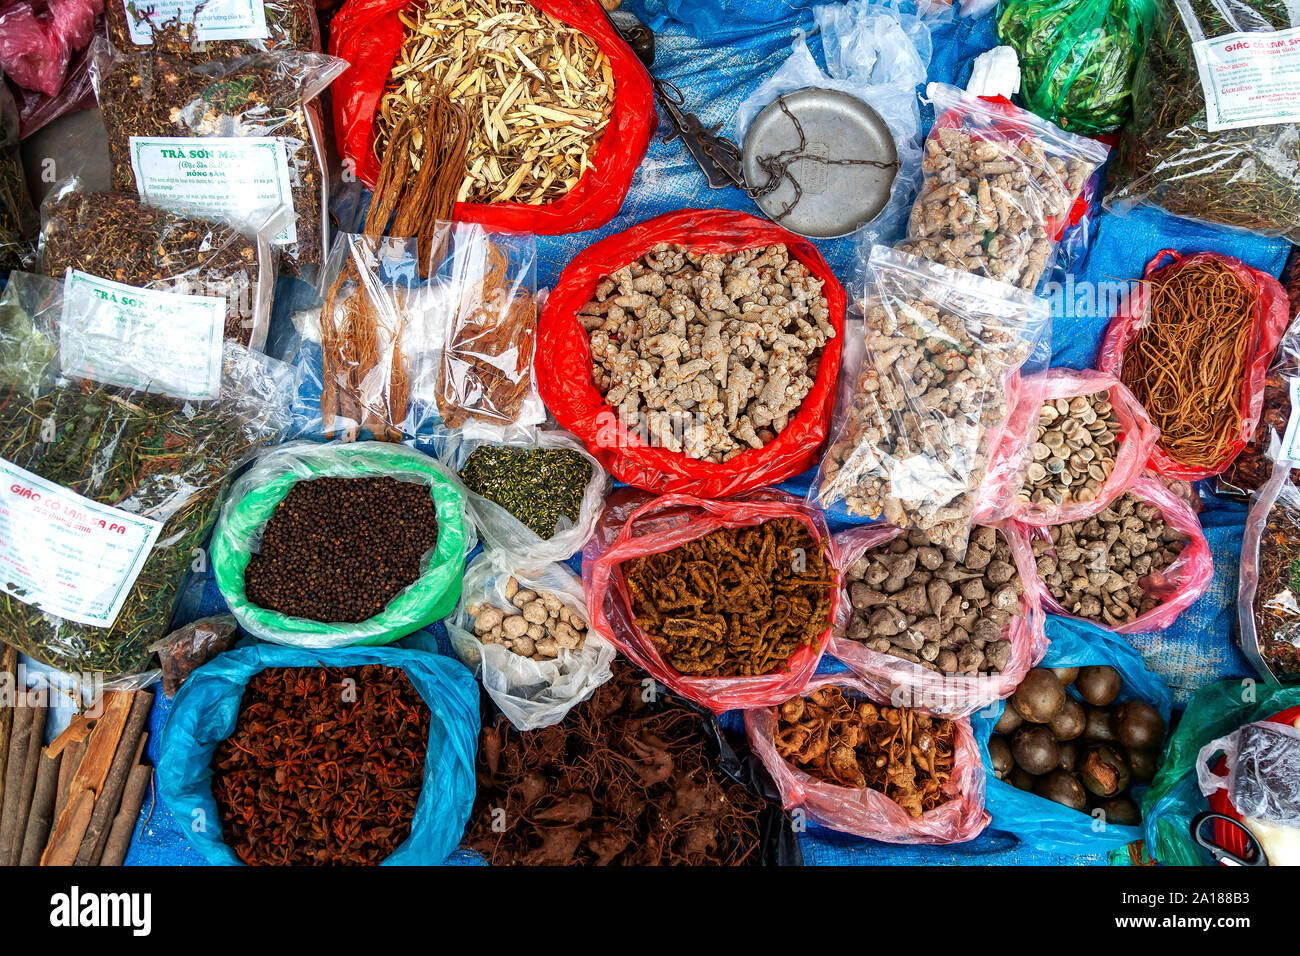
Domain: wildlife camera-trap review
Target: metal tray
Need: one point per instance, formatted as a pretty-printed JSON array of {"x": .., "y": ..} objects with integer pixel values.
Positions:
[{"x": 836, "y": 200}]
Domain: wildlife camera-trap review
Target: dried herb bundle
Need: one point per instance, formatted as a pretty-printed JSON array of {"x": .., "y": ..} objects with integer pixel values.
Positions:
[
  {"x": 152, "y": 94},
  {"x": 1248, "y": 178},
  {"x": 543, "y": 90},
  {"x": 736, "y": 602},
  {"x": 324, "y": 768},
  {"x": 1277, "y": 594},
  {"x": 621, "y": 781},
  {"x": 905, "y": 755},
  {"x": 115, "y": 236},
  {"x": 290, "y": 25}
]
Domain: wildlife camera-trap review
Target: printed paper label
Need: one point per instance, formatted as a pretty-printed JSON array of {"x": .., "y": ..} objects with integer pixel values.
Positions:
[
  {"x": 145, "y": 339},
  {"x": 65, "y": 554},
  {"x": 240, "y": 178},
  {"x": 1250, "y": 79},
  {"x": 213, "y": 20},
  {"x": 1289, "y": 449}
]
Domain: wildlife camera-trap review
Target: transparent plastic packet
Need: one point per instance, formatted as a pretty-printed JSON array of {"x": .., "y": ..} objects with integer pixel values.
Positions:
[
  {"x": 1268, "y": 599},
  {"x": 249, "y": 125},
  {"x": 866, "y": 811},
  {"x": 180, "y": 28},
  {"x": 485, "y": 385},
  {"x": 513, "y": 543},
  {"x": 913, "y": 435},
  {"x": 115, "y": 236},
  {"x": 923, "y": 684},
  {"x": 18, "y": 219},
  {"x": 531, "y": 692},
  {"x": 127, "y": 466},
  {"x": 191, "y": 646},
  {"x": 1000, "y": 187},
  {"x": 1263, "y": 771}
]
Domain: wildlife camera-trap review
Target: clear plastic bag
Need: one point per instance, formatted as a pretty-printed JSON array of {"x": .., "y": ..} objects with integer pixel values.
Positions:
[
  {"x": 867, "y": 812},
  {"x": 1178, "y": 586},
  {"x": 154, "y": 106},
  {"x": 914, "y": 435},
  {"x": 532, "y": 694},
  {"x": 37, "y": 39},
  {"x": 18, "y": 220},
  {"x": 253, "y": 498},
  {"x": 1263, "y": 779},
  {"x": 1268, "y": 600},
  {"x": 191, "y": 646},
  {"x": 155, "y": 459},
  {"x": 1137, "y": 436},
  {"x": 636, "y": 523},
  {"x": 1251, "y": 468},
  {"x": 514, "y": 544},
  {"x": 1001, "y": 186},
  {"x": 117, "y": 237},
  {"x": 903, "y": 682},
  {"x": 174, "y": 26}
]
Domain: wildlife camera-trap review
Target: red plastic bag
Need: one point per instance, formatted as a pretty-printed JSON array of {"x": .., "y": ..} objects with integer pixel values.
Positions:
[
  {"x": 635, "y": 523},
  {"x": 1138, "y": 437},
  {"x": 1180, "y": 584},
  {"x": 1272, "y": 312},
  {"x": 903, "y": 683},
  {"x": 564, "y": 364},
  {"x": 368, "y": 34},
  {"x": 866, "y": 812}
]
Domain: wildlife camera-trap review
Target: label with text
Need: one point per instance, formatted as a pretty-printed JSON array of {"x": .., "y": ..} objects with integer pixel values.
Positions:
[
  {"x": 212, "y": 19},
  {"x": 1250, "y": 79}
]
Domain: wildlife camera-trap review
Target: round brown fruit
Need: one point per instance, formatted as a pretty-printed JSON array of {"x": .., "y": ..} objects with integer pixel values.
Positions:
[
  {"x": 1040, "y": 696},
  {"x": 1070, "y": 722},
  {"x": 1035, "y": 749},
  {"x": 1121, "y": 811},
  {"x": 1064, "y": 788},
  {"x": 1096, "y": 728},
  {"x": 1000, "y": 755},
  {"x": 1098, "y": 685},
  {"x": 1066, "y": 675},
  {"x": 1103, "y": 771},
  {"x": 1138, "y": 725}
]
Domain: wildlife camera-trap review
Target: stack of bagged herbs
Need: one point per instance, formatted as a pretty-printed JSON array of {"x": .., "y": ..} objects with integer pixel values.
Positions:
[
  {"x": 147, "y": 454},
  {"x": 324, "y": 768},
  {"x": 542, "y": 487},
  {"x": 116, "y": 236},
  {"x": 338, "y": 550}
]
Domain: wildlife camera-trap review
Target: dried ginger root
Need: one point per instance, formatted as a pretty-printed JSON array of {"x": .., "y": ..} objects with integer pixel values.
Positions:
[
  {"x": 713, "y": 353},
  {"x": 905, "y": 755},
  {"x": 538, "y": 625},
  {"x": 991, "y": 207}
]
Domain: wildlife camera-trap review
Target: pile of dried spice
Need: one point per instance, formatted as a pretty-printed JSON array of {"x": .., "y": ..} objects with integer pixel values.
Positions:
[
  {"x": 542, "y": 487},
  {"x": 324, "y": 767},
  {"x": 339, "y": 549},
  {"x": 737, "y": 602},
  {"x": 627, "y": 778},
  {"x": 542, "y": 91},
  {"x": 115, "y": 236},
  {"x": 904, "y": 754}
]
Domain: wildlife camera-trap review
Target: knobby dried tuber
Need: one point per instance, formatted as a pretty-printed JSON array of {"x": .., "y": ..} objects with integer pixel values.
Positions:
[
  {"x": 625, "y": 779},
  {"x": 737, "y": 602},
  {"x": 712, "y": 352},
  {"x": 905, "y": 755},
  {"x": 538, "y": 625}
]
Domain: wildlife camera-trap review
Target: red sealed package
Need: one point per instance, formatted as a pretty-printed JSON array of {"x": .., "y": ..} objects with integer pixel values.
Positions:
[
  {"x": 565, "y": 369},
  {"x": 1271, "y": 315},
  {"x": 368, "y": 34},
  {"x": 905, "y": 682},
  {"x": 635, "y": 524},
  {"x": 865, "y": 811}
]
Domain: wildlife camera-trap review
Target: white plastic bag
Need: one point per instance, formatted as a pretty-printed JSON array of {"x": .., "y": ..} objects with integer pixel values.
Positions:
[
  {"x": 532, "y": 694},
  {"x": 509, "y": 539}
]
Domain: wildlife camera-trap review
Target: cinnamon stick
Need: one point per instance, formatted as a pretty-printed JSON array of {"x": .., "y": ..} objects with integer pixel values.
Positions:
[
  {"x": 66, "y": 839},
  {"x": 31, "y": 765},
  {"x": 42, "y": 812},
  {"x": 72, "y": 754},
  {"x": 14, "y": 769},
  {"x": 8, "y": 681},
  {"x": 109, "y": 796},
  {"x": 119, "y": 837}
]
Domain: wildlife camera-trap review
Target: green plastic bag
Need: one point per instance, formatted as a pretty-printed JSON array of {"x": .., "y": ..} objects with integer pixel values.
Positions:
[
  {"x": 1077, "y": 57},
  {"x": 1174, "y": 798},
  {"x": 254, "y": 497}
]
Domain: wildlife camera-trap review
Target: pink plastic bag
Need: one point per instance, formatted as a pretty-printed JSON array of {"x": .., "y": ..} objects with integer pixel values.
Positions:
[
  {"x": 866, "y": 812},
  {"x": 636, "y": 523},
  {"x": 903, "y": 683},
  {"x": 36, "y": 42},
  {"x": 1180, "y": 584},
  {"x": 1137, "y": 437}
]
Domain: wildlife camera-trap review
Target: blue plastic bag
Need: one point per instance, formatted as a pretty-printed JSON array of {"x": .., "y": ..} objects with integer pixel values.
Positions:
[
  {"x": 207, "y": 706},
  {"x": 1040, "y": 822}
]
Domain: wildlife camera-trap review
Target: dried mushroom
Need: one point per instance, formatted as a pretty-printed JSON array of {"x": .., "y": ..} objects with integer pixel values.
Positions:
[
  {"x": 1073, "y": 450},
  {"x": 712, "y": 352},
  {"x": 537, "y": 625},
  {"x": 921, "y": 603},
  {"x": 1096, "y": 569},
  {"x": 905, "y": 755}
]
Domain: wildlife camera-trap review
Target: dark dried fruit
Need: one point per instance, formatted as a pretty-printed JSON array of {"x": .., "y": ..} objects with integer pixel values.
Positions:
[
  {"x": 1069, "y": 724},
  {"x": 1138, "y": 725},
  {"x": 1098, "y": 685},
  {"x": 1064, "y": 788},
  {"x": 1103, "y": 771},
  {"x": 1035, "y": 749},
  {"x": 1000, "y": 756},
  {"x": 1040, "y": 696}
]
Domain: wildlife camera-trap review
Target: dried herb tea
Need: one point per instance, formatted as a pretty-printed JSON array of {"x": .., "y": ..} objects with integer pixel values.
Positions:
[
  {"x": 338, "y": 550},
  {"x": 736, "y": 602},
  {"x": 290, "y": 25},
  {"x": 542, "y": 487},
  {"x": 18, "y": 221},
  {"x": 1276, "y": 604},
  {"x": 115, "y": 236},
  {"x": 324, "y": 768}
]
